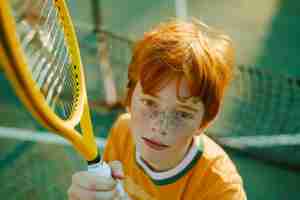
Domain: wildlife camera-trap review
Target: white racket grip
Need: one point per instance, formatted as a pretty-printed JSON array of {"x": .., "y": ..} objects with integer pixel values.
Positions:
[{"x": 103, "y": 169}]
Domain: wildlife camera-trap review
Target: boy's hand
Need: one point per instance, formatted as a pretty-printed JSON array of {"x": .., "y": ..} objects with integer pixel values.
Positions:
[{"x": 91, "y": 186}]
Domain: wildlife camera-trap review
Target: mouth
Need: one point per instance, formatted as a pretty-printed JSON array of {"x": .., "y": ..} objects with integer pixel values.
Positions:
[{"x": 158, "y": 146}]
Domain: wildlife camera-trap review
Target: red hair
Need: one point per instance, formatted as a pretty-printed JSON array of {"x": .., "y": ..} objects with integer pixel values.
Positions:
[{"x": 192, "y": 50}]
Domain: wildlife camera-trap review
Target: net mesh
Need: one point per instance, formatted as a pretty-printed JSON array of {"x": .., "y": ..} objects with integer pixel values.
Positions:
[
  {"x": 118, "y": 53},
  {"x": 261, "y": 116},
  {"x": 260, "y": 102}
]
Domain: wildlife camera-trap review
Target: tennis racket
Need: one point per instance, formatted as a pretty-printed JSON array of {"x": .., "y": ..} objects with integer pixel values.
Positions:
[{"x": 41, "y": 59}]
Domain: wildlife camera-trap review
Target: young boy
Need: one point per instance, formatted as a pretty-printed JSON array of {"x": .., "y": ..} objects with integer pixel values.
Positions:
[{"x": 177, "y": 78}]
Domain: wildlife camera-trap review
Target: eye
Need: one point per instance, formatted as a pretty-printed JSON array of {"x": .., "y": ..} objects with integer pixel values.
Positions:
[
  {"x": 184, "y": 115},
  {"x": 149, "y": 103}
]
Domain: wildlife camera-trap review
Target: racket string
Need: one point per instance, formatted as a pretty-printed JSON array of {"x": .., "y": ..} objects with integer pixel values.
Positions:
[
  {"x": 36, "y": 51},
  {"x": 56, "y": 77},
  {"x": 49, "y": 77},
  {"x": 55, "y": 54},
  {"x": 69, "y": 83},
  {"x": 45, "y": 49},
  {"x": 58, "y": 89},
  {"x": 68, "y": 86},
  {"x": 30, "y": 26},
  {"x": 46, "y": 76},
  {"x": 41, "y": 34},
  {"x": 66, "y": 106}
]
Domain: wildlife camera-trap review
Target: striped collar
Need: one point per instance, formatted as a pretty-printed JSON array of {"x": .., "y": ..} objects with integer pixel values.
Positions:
[{"x": 172, "y": 175}]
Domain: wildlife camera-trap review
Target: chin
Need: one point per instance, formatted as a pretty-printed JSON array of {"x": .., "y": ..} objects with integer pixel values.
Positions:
[
  {"x": 148, "y": 154},
  {"x": 152, "y": 156}
]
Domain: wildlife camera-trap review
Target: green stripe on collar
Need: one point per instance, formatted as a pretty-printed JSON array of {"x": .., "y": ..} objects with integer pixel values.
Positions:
[{"x": 171, "y": 179}]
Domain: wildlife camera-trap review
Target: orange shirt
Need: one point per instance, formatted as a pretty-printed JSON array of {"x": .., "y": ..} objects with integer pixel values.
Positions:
[{"x": 206, "y": 172}]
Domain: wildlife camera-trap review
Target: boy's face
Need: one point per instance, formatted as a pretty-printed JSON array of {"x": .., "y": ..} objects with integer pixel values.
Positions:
[{"x": 163, "y": 125}]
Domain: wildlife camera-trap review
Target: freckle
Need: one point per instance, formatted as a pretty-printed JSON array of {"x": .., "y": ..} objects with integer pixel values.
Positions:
[{"x": 163, "y": 133}]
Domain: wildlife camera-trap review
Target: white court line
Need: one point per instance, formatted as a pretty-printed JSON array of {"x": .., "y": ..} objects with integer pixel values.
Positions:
[
  {"x": 261, "y": 141},
  {"x": 39, "y": 136}
]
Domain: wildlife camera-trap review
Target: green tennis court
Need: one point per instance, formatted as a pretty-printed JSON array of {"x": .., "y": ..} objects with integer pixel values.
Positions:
[{"x": 260, "y": 124}]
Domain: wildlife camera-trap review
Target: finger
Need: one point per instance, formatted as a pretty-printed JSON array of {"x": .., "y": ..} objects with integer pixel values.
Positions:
[
  {"x": 76, "y": 192},
  {"x": 122, "y": 197},
  {"x": 93, "y": 181},
  {"x": 117, "y": 169},
  {"x": 71, "y": 195},
  {"x": 106, "y": 195},
  {"x": 118, "y": 174}
]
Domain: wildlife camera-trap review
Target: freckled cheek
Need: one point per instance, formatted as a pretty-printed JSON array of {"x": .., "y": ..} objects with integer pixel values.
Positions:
[
  {"x": 140, "y": 121},
  {"x": 178, "y": 134},
  {"x": 176, "y": 138},
  {"x": 183, "y": 131},
  {"x": 142, "y": 115}
]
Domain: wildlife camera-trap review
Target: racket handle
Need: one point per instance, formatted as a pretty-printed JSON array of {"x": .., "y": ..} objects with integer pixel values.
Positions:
[
  {"x": 104, "y": 170},
  {"x": 101, "y": 168}
]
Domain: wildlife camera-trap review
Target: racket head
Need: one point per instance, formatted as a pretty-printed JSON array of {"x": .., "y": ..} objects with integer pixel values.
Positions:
[{"x": 54, "y": 80}]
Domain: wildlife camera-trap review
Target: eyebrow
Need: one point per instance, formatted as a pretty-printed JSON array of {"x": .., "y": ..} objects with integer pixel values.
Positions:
[
  {"x": 154, "y": 98},
  {"x": 187, "y": 106},
  {"x": 180, "y": 104}
]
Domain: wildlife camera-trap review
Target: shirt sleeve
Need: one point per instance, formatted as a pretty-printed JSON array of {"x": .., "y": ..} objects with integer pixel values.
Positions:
[
  {"x": 117, "y": 140},
  {"x": 111, "y": 151},
  {"x": 225, "y": 181},
  {"x": 228, "y": 192}
]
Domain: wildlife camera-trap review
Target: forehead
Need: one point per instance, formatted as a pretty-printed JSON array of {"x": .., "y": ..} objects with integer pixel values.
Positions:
[{"x": 169, "y": 92}]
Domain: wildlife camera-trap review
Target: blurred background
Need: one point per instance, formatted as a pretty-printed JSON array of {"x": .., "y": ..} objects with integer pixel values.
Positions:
[{"x": 260, "y": 123}]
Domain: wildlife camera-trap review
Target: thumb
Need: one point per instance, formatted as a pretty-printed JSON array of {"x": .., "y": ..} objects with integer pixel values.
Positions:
[{"x": 117, "y": 169}]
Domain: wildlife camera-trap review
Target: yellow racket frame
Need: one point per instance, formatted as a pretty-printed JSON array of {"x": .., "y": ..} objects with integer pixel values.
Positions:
[{"x": 14, "y": 64}]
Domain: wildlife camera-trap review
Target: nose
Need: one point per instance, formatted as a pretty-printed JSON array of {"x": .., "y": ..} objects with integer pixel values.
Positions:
[
  {"x": 160, "y": 125},
  {"x": 157, "y": 130}
]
